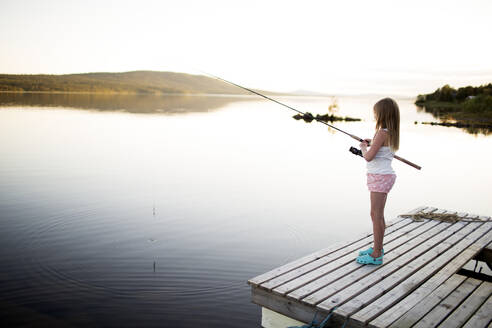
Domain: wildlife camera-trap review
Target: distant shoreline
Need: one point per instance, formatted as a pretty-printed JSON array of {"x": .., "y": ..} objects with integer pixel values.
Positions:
[
  {"x": 472, "y": 104},
  {"x": 293, "y": 95},
  {"x": 129, "y": 93},
  {"x": 468, "y": 107},
  {"x": 146, "y": 83},
  {"x": 135, "y": 82}
]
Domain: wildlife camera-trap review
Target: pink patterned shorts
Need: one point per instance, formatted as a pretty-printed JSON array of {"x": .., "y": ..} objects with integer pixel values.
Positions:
[{"x": 380, "y": 182}]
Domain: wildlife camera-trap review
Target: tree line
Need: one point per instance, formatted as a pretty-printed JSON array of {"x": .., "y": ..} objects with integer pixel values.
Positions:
[
  {"x": 467, "y": 99},
  {"x": 450, "y": 94}
]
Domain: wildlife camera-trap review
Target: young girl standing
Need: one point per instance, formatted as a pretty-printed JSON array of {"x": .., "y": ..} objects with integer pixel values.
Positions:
[{"x": 380, "y": 174}]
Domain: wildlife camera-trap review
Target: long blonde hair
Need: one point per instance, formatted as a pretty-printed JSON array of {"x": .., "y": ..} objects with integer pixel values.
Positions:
[{"x": 387, "y": 116}]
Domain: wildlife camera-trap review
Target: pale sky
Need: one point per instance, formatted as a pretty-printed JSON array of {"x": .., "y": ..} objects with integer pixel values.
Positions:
[{"x": 336, "y": 47}]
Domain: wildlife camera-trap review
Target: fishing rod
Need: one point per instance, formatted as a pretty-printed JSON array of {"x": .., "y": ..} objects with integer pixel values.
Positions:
[{"x": 352, "y": 149}]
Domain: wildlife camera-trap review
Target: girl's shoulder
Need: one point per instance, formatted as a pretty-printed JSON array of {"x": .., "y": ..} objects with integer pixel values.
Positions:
[
  {"x": 383, "y": 132},
  {"x": 383, "y": 135}
]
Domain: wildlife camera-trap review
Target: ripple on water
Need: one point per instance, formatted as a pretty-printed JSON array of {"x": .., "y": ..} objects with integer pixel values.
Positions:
[{"x": 81, "y": 254}]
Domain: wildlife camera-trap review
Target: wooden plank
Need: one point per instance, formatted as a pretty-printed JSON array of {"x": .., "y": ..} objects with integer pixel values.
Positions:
[
  {"x": 302, "y": 261},
  {"x": 482, "y": 317},
  {"x": 343, "y": 254},
  {"x": 401, "y": 246},
  {"x": 396, "y": 239},
  {"x": 429, "y": 302},
  {"x": 292, "y": 309},
  {"x": 326, "y": 268},
  {"x": 417, "y": 278},
  {"x": 352, "y": 266},
  {"x": 283, "y": 306},
  {"x": 315, "y": 256},
  {"x": 449, "y": 304},
  {"x": 395, "y": 287},
  {"x": 468, "y": 307},
  {"x": 364, "y": 290},
  {"x": 312, "y": 257},
  {"x": 403, "y": 305}
]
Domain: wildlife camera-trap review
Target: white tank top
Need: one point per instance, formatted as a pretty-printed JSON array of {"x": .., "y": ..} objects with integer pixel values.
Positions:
[{"x": 381, "y": 163}]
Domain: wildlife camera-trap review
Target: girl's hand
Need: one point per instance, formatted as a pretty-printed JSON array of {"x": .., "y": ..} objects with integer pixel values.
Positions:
[
  {"x": 376, "y": 144},
  {"x": 363, "y": 148},
  {"x": 368, "y": 141}
]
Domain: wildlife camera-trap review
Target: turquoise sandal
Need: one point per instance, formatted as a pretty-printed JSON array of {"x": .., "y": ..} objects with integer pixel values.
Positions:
[
  {"x": 368, "y": 259},
  {"x": 369, "y": 251}
]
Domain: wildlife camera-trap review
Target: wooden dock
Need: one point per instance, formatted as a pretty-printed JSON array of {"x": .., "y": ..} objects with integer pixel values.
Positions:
[{"x": 420, "y": 283}]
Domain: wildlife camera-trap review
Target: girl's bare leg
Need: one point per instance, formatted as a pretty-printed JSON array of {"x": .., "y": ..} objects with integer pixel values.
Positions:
[{"x": 378, "y": 201}]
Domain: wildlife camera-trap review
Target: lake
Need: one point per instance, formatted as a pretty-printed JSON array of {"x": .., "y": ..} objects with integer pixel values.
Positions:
[{"x": 142, "y": 211}]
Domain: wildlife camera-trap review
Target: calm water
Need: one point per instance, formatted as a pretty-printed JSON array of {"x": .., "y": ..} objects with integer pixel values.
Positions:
[{"x": 136, "y": 211}]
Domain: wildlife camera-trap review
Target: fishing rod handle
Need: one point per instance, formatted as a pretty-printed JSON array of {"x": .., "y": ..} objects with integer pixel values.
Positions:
[
  {"x": 356, "y": 138},
  {"x": 360, "y": 139},
  {"x": 407, "y": 162}
]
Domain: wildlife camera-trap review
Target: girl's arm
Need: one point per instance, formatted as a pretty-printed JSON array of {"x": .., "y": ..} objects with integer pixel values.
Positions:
[{"x": 378, "y": 142}]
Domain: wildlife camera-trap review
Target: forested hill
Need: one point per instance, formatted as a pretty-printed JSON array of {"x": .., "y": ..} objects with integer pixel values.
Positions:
[{"x": 146, "y": 82}]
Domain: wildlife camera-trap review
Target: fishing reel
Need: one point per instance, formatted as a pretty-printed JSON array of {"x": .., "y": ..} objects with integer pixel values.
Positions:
[{"x": 356, "y": 151}]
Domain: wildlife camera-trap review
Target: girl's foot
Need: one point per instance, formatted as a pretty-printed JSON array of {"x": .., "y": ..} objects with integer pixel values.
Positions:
[
  {"x": 368, "y": 259},
  {"x": 376, "y": 254},
  {"x": 369, "y": 251}
]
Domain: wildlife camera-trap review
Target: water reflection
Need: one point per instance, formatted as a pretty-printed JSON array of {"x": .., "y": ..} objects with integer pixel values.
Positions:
[
  {"x": 446, "y": 118},
  {"x": 168, "y": 104},
  {"x": 92, "y": 203}
]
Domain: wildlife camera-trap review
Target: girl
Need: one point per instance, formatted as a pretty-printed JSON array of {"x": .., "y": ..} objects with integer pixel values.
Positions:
[{"x": 380, "y": 175}]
